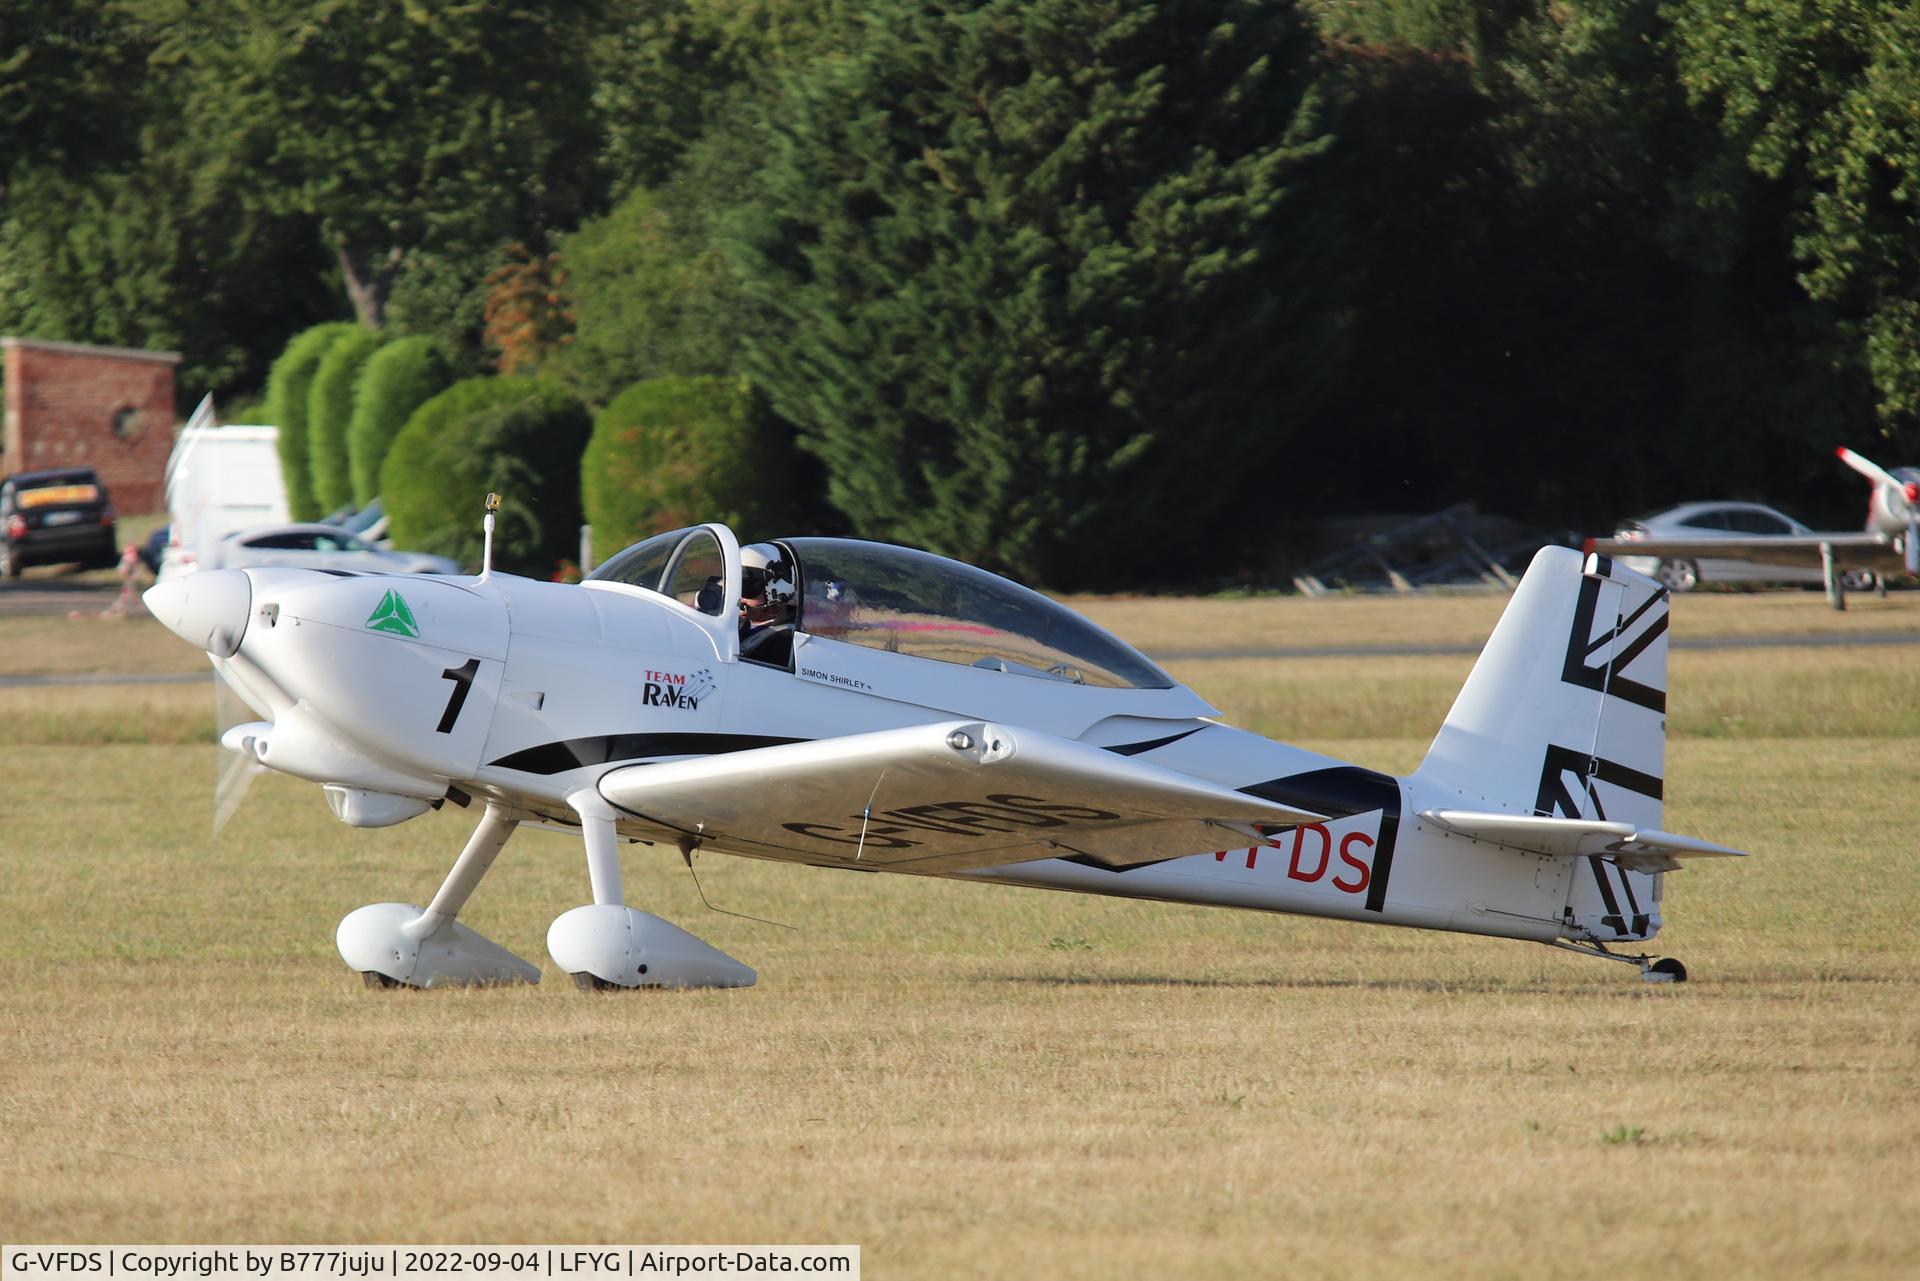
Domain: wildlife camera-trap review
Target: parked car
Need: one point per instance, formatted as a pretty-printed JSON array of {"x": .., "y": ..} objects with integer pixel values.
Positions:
[
  {"x": 55, "y": 517},
  {"x": 1743, "y": 521},
  {"x": 370, "y": 522},
  {"x": 320, "y": 547}
]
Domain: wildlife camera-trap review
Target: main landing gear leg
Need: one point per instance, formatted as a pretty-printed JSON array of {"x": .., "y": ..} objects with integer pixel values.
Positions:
[
  {"x": 1665, "y": 969},
  {"x": 1836, "y": 584},
  {"x": 610, "y": 945},
  {"x": 398, "y": 944}
]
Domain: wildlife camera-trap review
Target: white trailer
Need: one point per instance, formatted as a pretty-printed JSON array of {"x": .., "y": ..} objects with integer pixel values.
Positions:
[{"x": 219, "y": 479}]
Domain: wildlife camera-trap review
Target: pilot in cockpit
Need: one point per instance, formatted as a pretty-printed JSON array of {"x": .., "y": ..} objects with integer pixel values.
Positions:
[{"x": 768, "y": 603}]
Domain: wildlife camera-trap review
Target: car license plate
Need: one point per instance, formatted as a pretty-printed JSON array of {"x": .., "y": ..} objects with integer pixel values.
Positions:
[{"x": 62, "y": 518}]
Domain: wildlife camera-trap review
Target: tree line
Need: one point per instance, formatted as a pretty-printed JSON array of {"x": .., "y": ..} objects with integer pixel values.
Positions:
[{"x": 1098, "y": 295}]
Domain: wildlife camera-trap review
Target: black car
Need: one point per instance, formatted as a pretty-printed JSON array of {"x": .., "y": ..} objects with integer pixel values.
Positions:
[{"x": 54, "y": 518}]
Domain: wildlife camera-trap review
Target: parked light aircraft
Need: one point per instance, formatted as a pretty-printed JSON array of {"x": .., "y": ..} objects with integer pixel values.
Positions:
[
  {"x": 853, "y": 705},
  {"x": 1890, "y": 544}
]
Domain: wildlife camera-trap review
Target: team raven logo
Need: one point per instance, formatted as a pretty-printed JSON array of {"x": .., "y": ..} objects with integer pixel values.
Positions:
[
  {"x": 671, "y": 689},
  {"x": 392, "y": 615}
]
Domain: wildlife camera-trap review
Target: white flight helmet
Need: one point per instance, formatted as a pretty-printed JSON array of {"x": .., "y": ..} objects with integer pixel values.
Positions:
[{"x": 766, "y": 571}]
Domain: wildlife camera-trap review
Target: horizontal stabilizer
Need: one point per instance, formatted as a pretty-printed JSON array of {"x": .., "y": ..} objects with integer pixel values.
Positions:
[
  {"x": 946, "y": 797},
  {"x": 1634, "y": 848}
]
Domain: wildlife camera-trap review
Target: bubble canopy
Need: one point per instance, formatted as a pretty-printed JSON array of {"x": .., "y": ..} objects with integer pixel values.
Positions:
[
  {"x": 910, "y": 602},
  {"x": 915, "y": 603}
]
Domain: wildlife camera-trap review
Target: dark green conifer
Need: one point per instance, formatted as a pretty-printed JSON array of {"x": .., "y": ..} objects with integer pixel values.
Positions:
[{"x": 1034, "y": 265}]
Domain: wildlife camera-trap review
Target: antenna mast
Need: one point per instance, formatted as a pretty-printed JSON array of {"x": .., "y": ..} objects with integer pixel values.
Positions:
[{"x": 486, "y": 554}]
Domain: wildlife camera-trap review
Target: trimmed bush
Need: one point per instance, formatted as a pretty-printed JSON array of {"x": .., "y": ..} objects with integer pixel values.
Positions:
[
  {"x": 250, "y": 412},
  {"x": 329, "y": 410},
  {"x": 518, "y": 437},
  {"x": 395, "y": 381},
  {"x": 288, "y": 385},
  {"x": 670, "y": 452}
]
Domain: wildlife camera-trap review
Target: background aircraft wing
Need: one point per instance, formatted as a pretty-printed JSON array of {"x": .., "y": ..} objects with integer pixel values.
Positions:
[
  {"x": 943, "y": 797},
  {"x": 1850, "y": 551}
]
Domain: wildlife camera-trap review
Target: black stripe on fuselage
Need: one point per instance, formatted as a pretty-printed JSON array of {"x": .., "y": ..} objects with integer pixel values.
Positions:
[
  {"x": 604, "y": 749},
  {"x": 1342, "y": 791},
  {"x": 1101, "y": 865},
  {"x": 1134, "y": 749},
  {"x": 381, "y": 573}
]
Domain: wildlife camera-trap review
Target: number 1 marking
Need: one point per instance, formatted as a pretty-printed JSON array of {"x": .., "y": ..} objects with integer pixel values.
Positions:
[{"x": 462, "y": 678}]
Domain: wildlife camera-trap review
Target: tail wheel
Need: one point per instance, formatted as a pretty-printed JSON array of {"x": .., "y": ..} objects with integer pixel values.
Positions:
[
  {"x": 1670, "y": 965},
  {"x": 1678, "y": 575}
]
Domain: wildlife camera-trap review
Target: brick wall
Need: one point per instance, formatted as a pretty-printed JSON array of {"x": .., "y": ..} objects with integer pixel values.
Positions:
[{"x": 108, "y": 408}]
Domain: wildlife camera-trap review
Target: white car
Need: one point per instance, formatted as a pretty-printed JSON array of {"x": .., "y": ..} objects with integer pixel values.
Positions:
[
  {"x": 370, "y": 522},
  {"x": 1742, "y": 521},
  {"x": 320, "y": 547}
]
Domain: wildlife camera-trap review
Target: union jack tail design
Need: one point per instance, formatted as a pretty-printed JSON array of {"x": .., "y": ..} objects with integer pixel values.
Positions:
[{"x": 1564, "y": 715}]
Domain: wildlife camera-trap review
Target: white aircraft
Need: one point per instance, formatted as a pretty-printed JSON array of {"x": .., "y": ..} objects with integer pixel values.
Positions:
[
  {"x": 853, "y": 705},
  {"x": 1890, "y": 544}
]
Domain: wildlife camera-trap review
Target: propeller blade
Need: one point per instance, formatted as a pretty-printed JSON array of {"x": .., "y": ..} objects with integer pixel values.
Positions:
[
  {"x": 237, "y": 773},
  {"x": 1913, "y": 544},
  {"x": 237, "y": 770},
  {"x": 1867, "y": 467}
]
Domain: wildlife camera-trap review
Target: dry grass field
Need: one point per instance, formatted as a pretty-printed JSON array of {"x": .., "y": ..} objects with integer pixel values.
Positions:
[{"x": 976, "y": 1082}]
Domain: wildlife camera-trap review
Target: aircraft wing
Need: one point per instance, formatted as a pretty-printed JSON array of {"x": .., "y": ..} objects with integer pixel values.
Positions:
[
  {"x": 1861, "y": 550},
  {"x": 944, "y": 797},
  {"x": 1634, "y": 848}
]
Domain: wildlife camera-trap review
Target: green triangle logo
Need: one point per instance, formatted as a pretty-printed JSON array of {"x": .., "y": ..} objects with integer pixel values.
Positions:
[{"x": 392, "y": 615}]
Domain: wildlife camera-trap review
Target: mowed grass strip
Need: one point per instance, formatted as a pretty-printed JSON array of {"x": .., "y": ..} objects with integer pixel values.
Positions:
[
  {"x": 52, "y": 644},
  {"x": 1762, "y": 693},
  {"x": 1176, "y": 624},
  {"x": 95, "y": 715}
]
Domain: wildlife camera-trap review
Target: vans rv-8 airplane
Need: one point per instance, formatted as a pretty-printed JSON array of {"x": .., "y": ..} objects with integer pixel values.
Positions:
[
  {"x": 1890, "y": 544},
  {"x": 854, "y": 705}
]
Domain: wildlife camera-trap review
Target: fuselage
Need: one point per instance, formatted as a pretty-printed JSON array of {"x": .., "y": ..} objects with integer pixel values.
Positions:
[{"x": 1891, "y": 507}]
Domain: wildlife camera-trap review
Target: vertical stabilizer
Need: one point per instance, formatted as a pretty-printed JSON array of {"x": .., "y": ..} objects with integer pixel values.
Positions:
[{"x": 1565, "y": 714}]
